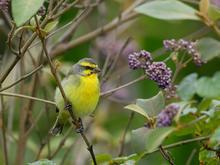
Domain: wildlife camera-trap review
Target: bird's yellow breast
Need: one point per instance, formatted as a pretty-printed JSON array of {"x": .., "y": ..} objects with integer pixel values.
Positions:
[{"x": 83, "y": 96}]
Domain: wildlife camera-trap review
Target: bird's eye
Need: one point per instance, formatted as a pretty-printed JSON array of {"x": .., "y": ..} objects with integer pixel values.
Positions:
[{"x": 88, "y": 68}]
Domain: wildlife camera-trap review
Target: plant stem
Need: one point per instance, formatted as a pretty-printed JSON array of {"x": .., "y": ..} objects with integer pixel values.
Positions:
[
  {"x": 2, "y": 123},
  {"x": 166, "y": 155},
  {"x": 27, "y": 97},
  {"x": 122, "y": 86},
  {"x": 121, "y": 151}
]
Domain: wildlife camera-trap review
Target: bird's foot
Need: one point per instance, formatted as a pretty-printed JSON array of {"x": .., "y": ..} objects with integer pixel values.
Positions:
[
  {"x": 79, "y": 126},
  {"x": 68, "y": 107}
]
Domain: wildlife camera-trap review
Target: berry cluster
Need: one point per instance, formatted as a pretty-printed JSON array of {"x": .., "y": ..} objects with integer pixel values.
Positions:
[
  {"x": 160, "y": 73},
  {"x": 166, "y": 116},
  {"x": 156, "y": 71},
  {"x": 183, "y": 45},
  {"x": 140, "y": 59},
  {"x": 4, "y": 5}
]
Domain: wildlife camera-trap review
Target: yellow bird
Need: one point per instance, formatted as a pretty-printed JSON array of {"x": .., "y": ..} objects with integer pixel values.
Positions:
[{"x": 82, "y": 90}]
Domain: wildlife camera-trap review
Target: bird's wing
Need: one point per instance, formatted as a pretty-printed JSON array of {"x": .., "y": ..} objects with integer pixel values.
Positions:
[{"x": 69, "y": 84}]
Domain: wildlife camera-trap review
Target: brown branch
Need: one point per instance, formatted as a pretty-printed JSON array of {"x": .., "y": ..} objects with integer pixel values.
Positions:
[
  {"x": 166, "y": 155},
  {"x": 91, "y": 35},
  {"x": 65, "y": 9}
]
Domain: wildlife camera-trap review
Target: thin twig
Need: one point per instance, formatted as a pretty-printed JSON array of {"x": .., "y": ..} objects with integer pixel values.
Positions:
[
  {"x": 116, "y": 60},
  {"x": 121, "y": 150},
  {"x": 178, "y": 144},
  {"x": 65, "y": 9},
  {"x": 89, "y": 36},
  {"x": 122, "y": 86},
  {"x": 27, "y": 97},
  {"x": 5, "y": 150},
  {"x": 166, "y": 155},
  {"x": 22, "y": 78}
]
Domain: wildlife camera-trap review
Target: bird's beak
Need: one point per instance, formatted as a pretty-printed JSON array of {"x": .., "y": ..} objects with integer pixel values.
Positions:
[{"x": 97, "y": 70}]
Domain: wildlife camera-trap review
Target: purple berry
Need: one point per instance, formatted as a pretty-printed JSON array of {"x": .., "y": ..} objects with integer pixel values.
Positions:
[
  {"x": 183, "y": 45},
  {"x": 166, "y": 116},
  {"x": 160, "y": 73}
]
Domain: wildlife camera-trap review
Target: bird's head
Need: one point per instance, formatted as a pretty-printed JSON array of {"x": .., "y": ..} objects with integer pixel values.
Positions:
[{"x": 85, "y": 67}]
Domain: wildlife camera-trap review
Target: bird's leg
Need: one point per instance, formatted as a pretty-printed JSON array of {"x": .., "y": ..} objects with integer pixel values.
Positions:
[
  {"x": 79, "y": 125},
  {"x": 76, "y": 122}
]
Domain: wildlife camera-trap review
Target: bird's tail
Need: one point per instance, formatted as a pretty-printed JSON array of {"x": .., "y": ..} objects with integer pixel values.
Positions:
[{"x": 57, "y": 128}]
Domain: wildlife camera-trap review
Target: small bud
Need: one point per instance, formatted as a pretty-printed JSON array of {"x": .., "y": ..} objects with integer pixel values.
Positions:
[{"x": 41, "y": 11}]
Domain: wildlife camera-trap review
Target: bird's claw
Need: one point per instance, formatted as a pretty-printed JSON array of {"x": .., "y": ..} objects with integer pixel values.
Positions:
[
  {"x": 68, "y": 107},
  {"x": 79, "y": 126}
]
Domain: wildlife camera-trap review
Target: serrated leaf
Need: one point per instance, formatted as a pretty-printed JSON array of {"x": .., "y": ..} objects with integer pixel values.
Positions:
[
  {"x": 23, "y": 10},
  {"x": 186, "y": 88},
  {"x": 136, "y": 108},
  {"x": 153, "y": 105},
  {"x": 42, "y": 162},
  {"x": 168, "y": 10},
  {"x": 144, "y": 139},
  {"x": 209, "y": 87},
  {"x": 209, "y": 48},
  {"x": 204, "y": 6}
]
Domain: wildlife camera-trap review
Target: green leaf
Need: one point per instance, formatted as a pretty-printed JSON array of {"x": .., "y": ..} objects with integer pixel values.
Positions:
[
  {"x": 208, "y": 48},
  {"x": 186, "y": 88},
  {"x": 208, "y": 157},
  {"x": 23, "y": 10},
  {"x": 209, "y": 87},
  {"x": 168, "y": 10},
  {"x": 127, "y": 160},
  {"x": 148, "y": 140},
  {"x": 42, "y": 162},
  {"x": 204, "y": 104},
  {"x": 136, "y": 108},
  {"x": 214, "y": 12},
  {"x": 153, "y": 105},
  {"x": 50, "y": 26},
  {"x": 215, "y": 138},
  {"x": 102, "y": 158}
]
